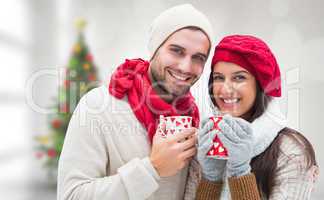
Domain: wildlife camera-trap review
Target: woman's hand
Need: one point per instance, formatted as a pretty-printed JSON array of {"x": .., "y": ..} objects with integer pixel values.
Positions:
[
  {"x": 212, "y": 169},
  {"x": 237, "y": 138}
]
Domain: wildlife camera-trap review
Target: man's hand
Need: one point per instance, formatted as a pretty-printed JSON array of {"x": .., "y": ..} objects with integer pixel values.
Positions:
[{"x": 172, "y": 153}]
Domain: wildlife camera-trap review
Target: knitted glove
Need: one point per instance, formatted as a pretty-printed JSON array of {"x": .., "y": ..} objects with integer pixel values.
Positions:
[
  {"x": 237, "y": 138},
  {"x": 212, "y": 169}
]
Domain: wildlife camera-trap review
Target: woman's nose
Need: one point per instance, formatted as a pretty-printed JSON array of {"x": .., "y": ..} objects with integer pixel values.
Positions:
[{"x": 227, "y": 87}]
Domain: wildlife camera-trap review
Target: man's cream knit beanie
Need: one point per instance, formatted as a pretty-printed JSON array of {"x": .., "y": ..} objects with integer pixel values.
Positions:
[{"x": 173, "y": 19}]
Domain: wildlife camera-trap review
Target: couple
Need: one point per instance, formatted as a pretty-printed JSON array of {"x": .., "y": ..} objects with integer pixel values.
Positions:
[{"x": 113, "y": 149}]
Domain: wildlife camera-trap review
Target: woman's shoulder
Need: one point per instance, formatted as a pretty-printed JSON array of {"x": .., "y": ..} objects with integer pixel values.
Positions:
[
  {"x": 296, "y": 157},
  {"x": 295, "y": 146},
  {"x": 292, "y": 142}
]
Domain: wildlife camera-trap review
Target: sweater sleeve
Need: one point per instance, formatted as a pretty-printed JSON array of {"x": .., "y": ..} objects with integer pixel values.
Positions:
[
  {"x": 208, "y": 190},
  {"x": 241, "y": 188},
  {"x": 83, "y": 172},
  {"x": 194, "y": 177},
  {"x": 294, "y": 179},
  {"x": 244, "y": 187}
]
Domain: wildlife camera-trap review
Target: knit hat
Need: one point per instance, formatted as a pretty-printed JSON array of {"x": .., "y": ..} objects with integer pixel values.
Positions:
[
  {"x": 254, "y": 55},
  {"x": 173, "y": 19}
]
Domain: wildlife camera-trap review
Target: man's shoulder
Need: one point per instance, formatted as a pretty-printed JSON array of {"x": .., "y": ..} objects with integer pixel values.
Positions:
[
  {"x": 96, "y": 94},
  {"x": 96, "y": 97},
  {"x": 99, "y": 98}
]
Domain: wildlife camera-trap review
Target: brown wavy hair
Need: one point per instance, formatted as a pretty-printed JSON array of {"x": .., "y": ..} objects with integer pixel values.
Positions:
[{"x": 264, "y": 165}]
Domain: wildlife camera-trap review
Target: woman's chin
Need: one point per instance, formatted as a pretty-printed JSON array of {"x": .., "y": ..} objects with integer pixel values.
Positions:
[{"x": 229, "y": 112}]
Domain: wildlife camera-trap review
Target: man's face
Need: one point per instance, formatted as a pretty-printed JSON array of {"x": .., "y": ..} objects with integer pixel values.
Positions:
[{"x": 179, "y": 62}]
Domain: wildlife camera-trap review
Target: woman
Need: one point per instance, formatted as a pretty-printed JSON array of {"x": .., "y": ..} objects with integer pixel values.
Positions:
[{"x": 244, "y": 78}]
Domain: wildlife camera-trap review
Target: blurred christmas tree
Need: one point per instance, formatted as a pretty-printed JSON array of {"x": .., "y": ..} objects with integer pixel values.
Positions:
[{"x": 80, "y": 76}]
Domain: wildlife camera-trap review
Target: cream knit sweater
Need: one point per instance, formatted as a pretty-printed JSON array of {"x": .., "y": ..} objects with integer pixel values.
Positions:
[{"x": 105, "y": 155}]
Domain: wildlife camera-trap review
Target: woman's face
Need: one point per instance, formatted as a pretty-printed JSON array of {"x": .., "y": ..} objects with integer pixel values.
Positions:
[{"x": 234, "y": 89}]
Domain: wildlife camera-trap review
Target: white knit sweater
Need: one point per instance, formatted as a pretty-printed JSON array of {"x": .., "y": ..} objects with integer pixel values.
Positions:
[{"x": 105, "y": 155}]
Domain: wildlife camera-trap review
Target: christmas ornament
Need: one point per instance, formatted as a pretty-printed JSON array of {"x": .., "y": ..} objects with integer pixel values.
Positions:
[
  {"x": 56, "y": 123},
  {"x": 44, "y": 139},
  {"x": 83, "y": 88},
  {"x": 66, "y": 83},
  {"x": 39, "y": 155},
  {"x": 92, "y": 77},
  {"x": 86, "y": 66},
  {"x": 51, "y": 153},
  {"x": 80, "y": 24},
  {"x": 64, "y": 108},
  {"x": 89, "y": 57},
  {"x": 77, "y": 49},
  {"x": 73, "y": 63}
]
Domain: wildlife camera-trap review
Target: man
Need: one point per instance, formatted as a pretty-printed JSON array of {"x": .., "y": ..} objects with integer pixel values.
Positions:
[{"x": 113, "y": 147}]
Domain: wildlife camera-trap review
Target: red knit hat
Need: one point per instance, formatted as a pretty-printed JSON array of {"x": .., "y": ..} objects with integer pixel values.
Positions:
[{"x": 254, "y": 55}]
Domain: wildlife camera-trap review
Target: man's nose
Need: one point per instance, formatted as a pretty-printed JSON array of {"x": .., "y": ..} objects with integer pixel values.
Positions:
[{"x": 185, "y": 65}]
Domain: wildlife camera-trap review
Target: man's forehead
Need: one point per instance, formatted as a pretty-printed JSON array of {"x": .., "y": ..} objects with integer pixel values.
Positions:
[
  {"x": 189, "y": 30},
  {"x": 189, "y": 38}
]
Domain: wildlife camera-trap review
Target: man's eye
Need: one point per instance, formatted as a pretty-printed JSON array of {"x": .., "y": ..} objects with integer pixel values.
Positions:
[
  {"x": 200, "y": 59},
  {"x": 177, "y": 51}
]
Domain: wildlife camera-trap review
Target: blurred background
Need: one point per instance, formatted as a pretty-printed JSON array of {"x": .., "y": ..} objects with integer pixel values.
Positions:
[{"x": 38, "y": 39}]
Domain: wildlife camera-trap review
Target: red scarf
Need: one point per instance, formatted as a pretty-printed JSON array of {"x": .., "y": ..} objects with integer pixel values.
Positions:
[{"x": 131, "y": 79}]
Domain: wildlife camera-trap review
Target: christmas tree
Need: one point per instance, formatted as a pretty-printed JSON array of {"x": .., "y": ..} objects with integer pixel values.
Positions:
[{"x": 80, "y": 76}]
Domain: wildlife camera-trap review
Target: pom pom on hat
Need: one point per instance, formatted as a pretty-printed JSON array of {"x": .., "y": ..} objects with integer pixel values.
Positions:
[
  {"x": 255, "y": 56},
  {"x": 173, "y": 19}
]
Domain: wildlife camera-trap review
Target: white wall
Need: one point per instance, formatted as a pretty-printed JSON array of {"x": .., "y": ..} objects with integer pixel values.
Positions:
[{"x": 117, "y": 29}]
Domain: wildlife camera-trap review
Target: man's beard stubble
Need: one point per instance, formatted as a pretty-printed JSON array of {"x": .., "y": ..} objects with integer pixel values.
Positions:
[{"x": 160, "y": 85}]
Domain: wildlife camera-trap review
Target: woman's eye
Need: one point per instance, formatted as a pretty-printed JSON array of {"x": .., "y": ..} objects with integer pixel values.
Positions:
[
  {"x": 218, "y": 78},
  {"x": 239, "y": 78}
]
